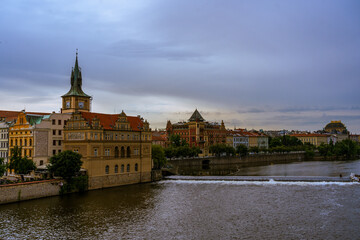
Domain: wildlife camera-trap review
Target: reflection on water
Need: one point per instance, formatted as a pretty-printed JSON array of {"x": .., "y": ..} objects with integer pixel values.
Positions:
[
  {"x": 192, "y": 210},
  {"x": 316, "y": 168}
]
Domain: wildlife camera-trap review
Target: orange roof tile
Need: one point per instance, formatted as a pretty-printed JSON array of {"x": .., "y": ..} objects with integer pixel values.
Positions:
[
  {"x": 309, "y": 135},
  {"x": 107, "y": 121}
]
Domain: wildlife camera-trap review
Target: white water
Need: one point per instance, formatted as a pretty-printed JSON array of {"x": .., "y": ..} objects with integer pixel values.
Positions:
[{"x": 259, "y": 183}]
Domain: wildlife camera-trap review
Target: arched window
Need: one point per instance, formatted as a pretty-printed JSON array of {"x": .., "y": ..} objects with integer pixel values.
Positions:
[
  {"x": 30, "y": 142},
  {"x": 136, "y": 167},
  {"x": 11, "y": 142},
  {"x": 122, "y": 167},
  {"x": 107, "y": 169},
  {"x": 116, "y": 152},
  {"x": 122, "y": 152},
  {"x": 128, "y": 152},
  {"x": 128, "y": 168},
  {"x": 25, "y": 142},
  {"x": 116, "y": 168},
  {"x": 16, "y": 142},
  {"x": 20, "y": 142}
]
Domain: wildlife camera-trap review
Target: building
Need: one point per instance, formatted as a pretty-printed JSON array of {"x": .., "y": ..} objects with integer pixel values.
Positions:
[
  {"x": 355, "y": 137},
  {"x": 336, "y": 127},
  {"x": 198, "y": 132},
  {"x": 159, "y": 138},
  {"x": 4, "y": 141},
  {"x": 48, "y": 137},
  {"x": 313, "y": 138},
  {"x": 21, "y": 133},
  {"x": 248, "y": 138},
  {"x": 115, "y": 148}
]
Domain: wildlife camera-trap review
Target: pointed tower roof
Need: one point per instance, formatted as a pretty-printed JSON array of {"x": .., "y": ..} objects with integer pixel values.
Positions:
[
  {"x": 196, "y": 116},
  {"x": 76, "y": 81}
]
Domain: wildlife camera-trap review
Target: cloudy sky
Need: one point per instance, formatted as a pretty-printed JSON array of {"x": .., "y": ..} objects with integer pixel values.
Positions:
[{"x": 255, "y": 64}]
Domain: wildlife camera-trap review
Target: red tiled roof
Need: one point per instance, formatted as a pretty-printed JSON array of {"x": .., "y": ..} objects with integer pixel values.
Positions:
[
  {"x": 107, "y": 121},
  {"x": 309, "y": 135},
  {"x": 12, "y": 115}
]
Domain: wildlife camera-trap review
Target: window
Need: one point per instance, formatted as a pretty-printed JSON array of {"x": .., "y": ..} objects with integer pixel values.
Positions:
[
  {"x": 95, "y": 136},
  {"x": 95, "y": 152},
  {"x": 76, "y": 150},
  {"x": 128, "y": 152},
  {"x": 20, "y": 142},
  {"x": 116, "y": 168},
  {"x": 41, "y": 162},
  {"x": 59, "y": 142},
  {"x": 122, "y": 167},
  {"x": 25, "y": 142},
  {"x": 128, "y": 168},
  {"x": 60, "y": 132},
  {"x": 107, "y": 152},
  {"x": 54, "y": 142},
  {"x": 136, "y": 167},
  {"x": 59, "y": 151},
  {"x": 29, "y": 152},
  {"x": 107, "y": 169},
  {"x": 59, "y": 122},
  {"x": 54, "y": 132},
  {"x": 53, "y": 122},
  {"x": 30, "y": 142},
  {"x": 54, "y": 152}
]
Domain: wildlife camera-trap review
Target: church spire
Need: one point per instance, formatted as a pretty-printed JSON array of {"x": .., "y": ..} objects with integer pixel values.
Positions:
[{"x": 76, "y": 81}]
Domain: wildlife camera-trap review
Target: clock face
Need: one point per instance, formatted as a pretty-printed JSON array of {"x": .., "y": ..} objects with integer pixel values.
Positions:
[
  {"x": 67, "y": 104},
  {"x": 81, "y": 105}
]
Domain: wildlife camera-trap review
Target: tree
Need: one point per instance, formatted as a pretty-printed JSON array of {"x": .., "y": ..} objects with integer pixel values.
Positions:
[
  {"x": 176, "y": 141},
  {"x": 21, "y": 165},
  {"x": 65, "y": 164},
  {"x": 169, "y": 152},
  {"x": 242, "y": 150},
  {"x": 2, "y": 167},
  {"x": 254, "y": 149},
  {"x": 324, "y": 150},
  {"x": 346, "y": 148},
  {"x": 158, "y": 156}
]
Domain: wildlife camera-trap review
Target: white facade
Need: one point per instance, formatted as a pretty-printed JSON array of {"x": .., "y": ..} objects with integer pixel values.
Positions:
[{"x": 4, "y": 141}]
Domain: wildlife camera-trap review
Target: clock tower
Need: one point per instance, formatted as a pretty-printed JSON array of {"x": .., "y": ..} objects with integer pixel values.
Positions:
[{"x": 76, "y": 100}]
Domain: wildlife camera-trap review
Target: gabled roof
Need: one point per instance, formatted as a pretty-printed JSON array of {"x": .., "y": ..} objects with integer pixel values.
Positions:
[
  {"x": 107, "y": 121},
  {"x": 196, "y": 117},
  {"x": 12, "y": 115}
]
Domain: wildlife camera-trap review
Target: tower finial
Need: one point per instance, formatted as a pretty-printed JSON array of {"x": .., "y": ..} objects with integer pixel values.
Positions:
[{"x": 77, "y": 51}]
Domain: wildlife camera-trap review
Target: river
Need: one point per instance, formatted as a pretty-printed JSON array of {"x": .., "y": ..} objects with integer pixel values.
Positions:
[{"x": 177, "y": 209}]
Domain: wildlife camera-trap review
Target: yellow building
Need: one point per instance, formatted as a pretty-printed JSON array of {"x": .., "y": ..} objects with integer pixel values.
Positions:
[
  {"x": 115, "y": 148},
  {"x": 313, "y": 138},
  {"x": 21, "y": 133}
]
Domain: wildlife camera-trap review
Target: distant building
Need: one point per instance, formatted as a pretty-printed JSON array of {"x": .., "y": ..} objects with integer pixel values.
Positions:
[
  {"x": 4, "y": 141},
  {"x": 313, "y": 138},
  {"x": 198, "y": 132},
  {"x": 355, "y": 137},
  {"x": 336, "y": 127},
  {"x": 159, "y": 138},
  {"x": 248, "y": 138}
]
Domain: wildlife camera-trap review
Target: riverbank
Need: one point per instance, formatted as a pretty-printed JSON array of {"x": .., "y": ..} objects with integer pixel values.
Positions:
[{"x": 29, "y": 190}]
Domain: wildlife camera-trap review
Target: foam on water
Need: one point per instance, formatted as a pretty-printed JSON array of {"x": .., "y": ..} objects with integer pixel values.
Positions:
[{"x": 259, "y": 183}]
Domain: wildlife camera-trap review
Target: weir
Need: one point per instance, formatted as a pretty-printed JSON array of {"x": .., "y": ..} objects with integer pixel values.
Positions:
[{"x": 262, "y": 178}]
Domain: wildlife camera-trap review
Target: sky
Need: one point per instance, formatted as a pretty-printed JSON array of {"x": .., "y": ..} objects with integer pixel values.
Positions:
[{"x": 259, "y": 64}]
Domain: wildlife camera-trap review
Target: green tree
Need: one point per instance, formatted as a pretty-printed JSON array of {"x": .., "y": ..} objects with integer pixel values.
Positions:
[
  {"x": 3, "y": 167},
  {"x": 324, "y": 150},
  {"x": 347, "y": 149},
  {"x": 21, "y": 165},
  {"x": 169, "y": 152},
  {"x": 176, "y": 141},
  {"x": 254, "y": 149},
  {"x": 242, "y": 150},
  {"x": 158, "y": 156},
  {"x": 65, "y": 164}
]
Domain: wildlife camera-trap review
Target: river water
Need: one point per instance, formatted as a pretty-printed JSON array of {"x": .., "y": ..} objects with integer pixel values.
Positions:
[{"x": 178, "y": 209}]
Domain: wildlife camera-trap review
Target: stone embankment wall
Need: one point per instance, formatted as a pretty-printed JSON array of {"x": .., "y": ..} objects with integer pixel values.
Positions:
[
  {"x": 226, "y": 165},
  {"x": 26, "y": 191},
  {"x": 97, "y": 182}
]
